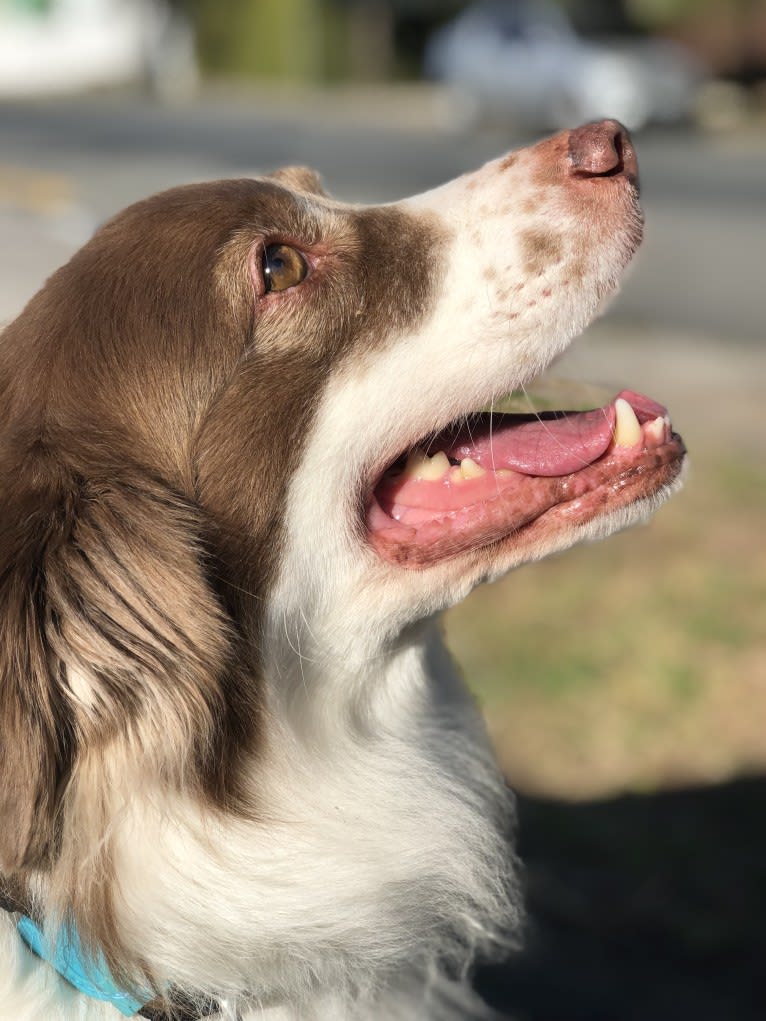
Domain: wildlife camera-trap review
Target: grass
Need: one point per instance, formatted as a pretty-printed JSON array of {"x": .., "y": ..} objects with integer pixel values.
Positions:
[{"x": 639, "y": 662}]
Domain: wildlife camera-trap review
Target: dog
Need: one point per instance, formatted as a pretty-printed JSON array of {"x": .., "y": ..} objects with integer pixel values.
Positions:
[{"x": 244, "y": 467}]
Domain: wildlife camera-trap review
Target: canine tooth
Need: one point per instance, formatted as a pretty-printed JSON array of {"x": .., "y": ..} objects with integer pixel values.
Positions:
[
  {"x": 627, "y": 431},
  {"x": 470, "y": 469},
  {"x": 655, "y": 430},
  {"x": 421, "y": 466}
]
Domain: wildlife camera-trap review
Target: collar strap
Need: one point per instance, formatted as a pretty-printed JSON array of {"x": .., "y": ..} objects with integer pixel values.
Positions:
[
  {"x": 88, "y": 974},
  {"x": 91, "y": 976}
]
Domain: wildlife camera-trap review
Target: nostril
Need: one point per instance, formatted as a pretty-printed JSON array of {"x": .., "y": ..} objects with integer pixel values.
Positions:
[
  {"x": 603, "y": 149},
  {"x": 617, "y": 142}
]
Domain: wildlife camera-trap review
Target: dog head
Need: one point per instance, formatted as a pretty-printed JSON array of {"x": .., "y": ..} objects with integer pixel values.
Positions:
[{"x": 208, "y": 417}]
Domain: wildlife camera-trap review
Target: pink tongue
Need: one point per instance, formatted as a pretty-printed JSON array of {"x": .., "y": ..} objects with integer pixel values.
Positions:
[{"x": 551, "y": 444}]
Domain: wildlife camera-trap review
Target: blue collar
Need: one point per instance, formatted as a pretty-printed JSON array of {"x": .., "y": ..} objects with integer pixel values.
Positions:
[{"x": 90, "y": 975}]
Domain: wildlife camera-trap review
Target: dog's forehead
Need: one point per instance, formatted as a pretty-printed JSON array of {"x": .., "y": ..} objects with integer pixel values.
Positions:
[
  {"x": 376, "y": 261},
  {"x": 290, "y": 200},
  {"x": 214, "y": 208}
]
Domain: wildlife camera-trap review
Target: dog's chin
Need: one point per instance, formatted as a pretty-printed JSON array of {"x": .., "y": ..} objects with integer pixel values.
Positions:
[{"x": 558, "y": 530}]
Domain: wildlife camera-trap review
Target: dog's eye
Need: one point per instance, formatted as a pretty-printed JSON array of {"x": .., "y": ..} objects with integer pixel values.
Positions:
[{"x": 283, "y": 267}]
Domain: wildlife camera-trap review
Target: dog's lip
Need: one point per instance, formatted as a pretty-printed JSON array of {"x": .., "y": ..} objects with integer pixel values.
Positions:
[{"x": 418, "y": 515}]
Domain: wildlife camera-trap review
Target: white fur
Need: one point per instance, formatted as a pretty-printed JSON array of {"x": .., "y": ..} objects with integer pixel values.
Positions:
[{"x": 381, "y": 849}]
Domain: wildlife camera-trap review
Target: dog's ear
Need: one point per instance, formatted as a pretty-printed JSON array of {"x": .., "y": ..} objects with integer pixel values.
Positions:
[
  {"x": 36, "y": 725},
  {"x": 300, "y": 179},
  {"x": 112, "y": 643}
]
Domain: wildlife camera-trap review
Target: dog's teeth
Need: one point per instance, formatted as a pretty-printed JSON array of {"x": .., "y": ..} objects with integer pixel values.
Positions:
[
  {"x": 438, "y": 465},
  {"x": 627, "y": 430},
  {"x": 421, "y": 466},
  {"x": 655, "y": 431},
  {"x": 470, "y": 469},
  {"x": 417, "y": 459}
]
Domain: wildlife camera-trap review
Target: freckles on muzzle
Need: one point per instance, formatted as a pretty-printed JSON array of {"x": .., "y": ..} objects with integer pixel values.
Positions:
[{"x": 487, "y": 479}]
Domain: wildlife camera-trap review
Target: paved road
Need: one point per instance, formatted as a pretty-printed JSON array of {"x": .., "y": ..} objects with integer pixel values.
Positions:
[{"x": 66, "y": 165}]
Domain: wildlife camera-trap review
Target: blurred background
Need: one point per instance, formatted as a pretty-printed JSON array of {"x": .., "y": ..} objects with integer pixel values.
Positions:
[{"x": 624, "y": 684}]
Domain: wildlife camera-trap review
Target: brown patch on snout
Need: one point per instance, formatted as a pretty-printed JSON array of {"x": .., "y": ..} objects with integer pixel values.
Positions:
[
  {"x": 577, "y": 268},
  {"x": 549, "y": 162},
  {"x": 540, "y": 249},
  {"x": 508, "y": 161}
]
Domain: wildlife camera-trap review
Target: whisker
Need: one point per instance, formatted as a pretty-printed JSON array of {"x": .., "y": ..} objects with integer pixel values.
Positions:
[{"x": 544, "y": 424}]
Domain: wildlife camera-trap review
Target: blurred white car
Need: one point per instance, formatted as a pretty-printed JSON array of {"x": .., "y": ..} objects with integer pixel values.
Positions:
[
  {"x": 523, "y": 59},
  {"x": 53, "y": 46}
]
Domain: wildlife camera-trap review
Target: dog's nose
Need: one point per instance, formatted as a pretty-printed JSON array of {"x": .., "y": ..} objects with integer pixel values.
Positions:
[{"x": 603, "y": 149}]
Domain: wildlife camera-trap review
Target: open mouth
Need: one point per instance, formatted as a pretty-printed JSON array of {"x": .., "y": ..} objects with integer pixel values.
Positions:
[{"x": 495, "y": 477}]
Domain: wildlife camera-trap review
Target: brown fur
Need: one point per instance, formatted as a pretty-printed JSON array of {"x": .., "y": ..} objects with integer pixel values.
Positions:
[
  {"x": 540, "y": 248},
  {"x": 152, "y": 410}
]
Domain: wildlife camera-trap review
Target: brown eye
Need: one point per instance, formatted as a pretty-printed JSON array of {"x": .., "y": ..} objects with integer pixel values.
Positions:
[{"x": 283, "y": 267}]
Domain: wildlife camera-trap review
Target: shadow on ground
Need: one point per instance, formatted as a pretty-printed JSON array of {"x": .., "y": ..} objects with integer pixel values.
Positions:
[{"x": 642, "y": 908}]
